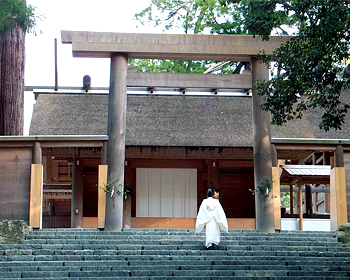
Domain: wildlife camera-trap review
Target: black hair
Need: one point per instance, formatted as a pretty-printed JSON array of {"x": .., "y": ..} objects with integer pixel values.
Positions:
[
  {"x": 209, "y": 193},
  {"x": 215, "y": 189}
]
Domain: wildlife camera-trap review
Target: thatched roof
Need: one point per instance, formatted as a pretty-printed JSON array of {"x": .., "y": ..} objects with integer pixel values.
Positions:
[{"x": 155, "y": 120}]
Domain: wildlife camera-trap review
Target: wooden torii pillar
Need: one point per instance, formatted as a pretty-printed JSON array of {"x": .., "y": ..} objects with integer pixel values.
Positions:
[
  {"x": 264, "y": 208},
  {"x": 116, "y": 143}
]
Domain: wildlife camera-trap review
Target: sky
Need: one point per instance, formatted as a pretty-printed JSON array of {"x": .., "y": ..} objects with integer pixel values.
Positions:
[{"x": 77, "y": 15}]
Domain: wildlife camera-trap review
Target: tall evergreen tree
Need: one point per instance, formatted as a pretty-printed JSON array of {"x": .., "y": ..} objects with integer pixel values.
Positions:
[{"x": 16, "y": 18}]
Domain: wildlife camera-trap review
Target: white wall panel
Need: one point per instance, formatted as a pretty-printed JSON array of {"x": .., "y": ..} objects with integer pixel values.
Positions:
[
  {"x": 154, "y": 192},
  {"x": 164, "y": 192},
  {"x": 167, "y": 193},
  {"x": 192, "y": 192},
  {"x": 142, "y": 192},
  {"x": 179, "y": 193}
]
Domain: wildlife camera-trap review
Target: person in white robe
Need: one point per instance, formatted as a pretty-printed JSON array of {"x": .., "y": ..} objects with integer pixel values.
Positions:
[{"x": 211, "y": 215}]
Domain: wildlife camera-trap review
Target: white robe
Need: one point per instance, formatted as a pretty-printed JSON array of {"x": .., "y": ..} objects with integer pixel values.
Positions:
[{"x": 212, "y": 216}]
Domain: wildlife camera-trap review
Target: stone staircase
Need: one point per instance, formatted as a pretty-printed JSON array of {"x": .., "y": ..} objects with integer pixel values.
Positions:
[{"x": 173, "y": 254}]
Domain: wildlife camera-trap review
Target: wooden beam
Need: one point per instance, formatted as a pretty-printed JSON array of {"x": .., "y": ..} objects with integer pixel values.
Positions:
[
  {"x": 170, "y": 46},
  {"x": 184, "y": 81}
]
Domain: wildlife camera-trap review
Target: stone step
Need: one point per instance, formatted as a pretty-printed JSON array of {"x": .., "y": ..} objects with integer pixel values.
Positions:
[
  {"x": 173, "y": 254},
  {"x": 196, "y": 278}
]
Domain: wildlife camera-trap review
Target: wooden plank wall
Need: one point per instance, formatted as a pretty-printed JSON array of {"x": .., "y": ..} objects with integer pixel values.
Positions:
[
  {"x": 15, "y": 164},
  {"x": 237, "y": 200}
]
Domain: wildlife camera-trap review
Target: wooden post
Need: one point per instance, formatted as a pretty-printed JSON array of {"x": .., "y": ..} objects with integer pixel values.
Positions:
[
  {"x": 116, "y": 143},
  {"x": 56, "y": 71},
  {"x": 339, "y": 211},
  {"x": 102, "y": 181},
  {"x": 339, "y": 156},
  {"x": 36, "y": 196},
  {"x": 338, "y": 201},
  {"x": 327, "y": 161},
  {"x": 276, "y": 188},
  {"x": 104, "y": 154},
  {"x": 77, "y": 193},
  {"x": 291, "y": 193},
  {"x": 300, "y": 204},
  {"x": 36, "y": 187},
  {"x": 262, "y": 151},
  {"x": 37, "y": 153}
]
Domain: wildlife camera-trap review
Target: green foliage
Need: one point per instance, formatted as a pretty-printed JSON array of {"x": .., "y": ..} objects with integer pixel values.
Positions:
[
  {"x": 115, "y": 188},
  {"x": 308, "y": 65},
  {"x": 190, "y": 16},
  {"x": 16, "y": 12},
  {"x": 343, "y": 234},
  {"x": 170, "y": 66},
  {"x": 264, "y": 189}
]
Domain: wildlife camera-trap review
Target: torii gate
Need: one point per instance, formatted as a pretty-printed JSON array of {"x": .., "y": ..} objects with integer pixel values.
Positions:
[{"x": 119, "y": 47}]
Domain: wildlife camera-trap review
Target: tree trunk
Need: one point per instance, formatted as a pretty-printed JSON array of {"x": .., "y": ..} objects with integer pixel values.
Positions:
[{"x": 12, "y": 55}]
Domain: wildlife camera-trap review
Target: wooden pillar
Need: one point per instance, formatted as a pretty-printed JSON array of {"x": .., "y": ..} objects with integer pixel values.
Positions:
[
  {"x": 116, "y": 143},
  {"x": 213, "y": 173},
  {"x": 339, "y": 212},
  {"x": 308, "y": 200},
  {"x": 262, "y": 151},
  {"x": 36, "y": 187},
  {"x": 104, "y": 153},
  {"x": 276, "y": 188},
  {"x": 339, "y": 156},
  {"x": 101, "y": 209},
  {"x": 77, "y": 193},
  {"x": 327, "y": 161},
  {"x": 291, "y": 193},
  {"x": 37, "y": 153},
  {"x": 300, "y": 198}
]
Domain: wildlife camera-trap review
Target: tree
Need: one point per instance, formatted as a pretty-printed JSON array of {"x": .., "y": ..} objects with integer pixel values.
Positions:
[
  {"x": 191, "y": 17},
  {"x": 16, "y": 18},
  {"x": 307, "y": 67}
]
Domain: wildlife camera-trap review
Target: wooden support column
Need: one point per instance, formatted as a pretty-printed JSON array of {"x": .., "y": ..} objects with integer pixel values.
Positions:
[
  {"x": 308, "y": 201},
  {"x": 104, "y": 154},
  {"x": 327, "y": 161},
  {"x": 339, "y": 211},
  {"x": 213, "y": 173},
  {"x": 291, "y": 192},
  {"x": 37, "y": 153},
  {"x": 116, "y": 143},
  {"x": 339, "y": 156},
  {"x": 300, "y": 193},
  {"x": 102, "y": 181},
  {"x": 276, "y": 188},
  {"x": 36, "y": 187},
  {"x": 77, "y": 193},
  {"x": 262, "y": 151}
]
